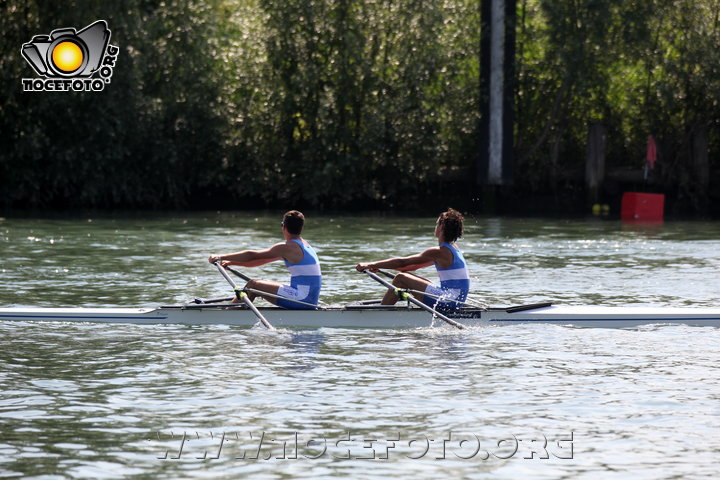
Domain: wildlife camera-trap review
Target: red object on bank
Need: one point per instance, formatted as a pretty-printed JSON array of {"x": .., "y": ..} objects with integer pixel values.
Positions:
[{"x": 642, "y": 206}]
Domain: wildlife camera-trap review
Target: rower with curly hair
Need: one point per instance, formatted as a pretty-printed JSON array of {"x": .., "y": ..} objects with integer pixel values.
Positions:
[{"x": 448, "y": 260}]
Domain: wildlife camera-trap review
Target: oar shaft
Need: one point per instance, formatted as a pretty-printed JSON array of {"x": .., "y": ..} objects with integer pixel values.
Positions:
[
  {"x": 438, "y": 297},
  {"x": 387, "y": 274},
  {"x": 272, "y": 295},
  {"x": 265, "y": 294},
  {"x": 457, "y": 302},
  {"x": 243, "y": 296},
  {"x": 222, "y": 271},
  {"x": 415, "y": 301},
  {"x": 239, "y": 274}
]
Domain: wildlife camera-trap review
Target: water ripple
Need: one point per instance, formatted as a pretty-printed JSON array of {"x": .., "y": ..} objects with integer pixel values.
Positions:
[
  {"x": 118, "y": 397},
  {"x": 121, "y": 401}
]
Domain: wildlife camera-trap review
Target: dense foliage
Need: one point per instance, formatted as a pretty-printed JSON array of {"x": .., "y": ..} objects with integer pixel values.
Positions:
[{"x": 349, "y": 103}]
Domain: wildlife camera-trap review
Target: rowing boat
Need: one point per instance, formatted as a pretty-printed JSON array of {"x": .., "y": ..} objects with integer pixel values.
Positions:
[{"x": 362, "y": 315}]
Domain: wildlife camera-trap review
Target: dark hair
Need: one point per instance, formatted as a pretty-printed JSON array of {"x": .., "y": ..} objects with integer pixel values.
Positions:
[
  {"x": 451, "y": 223},
  {"x": 294, "y": 221}
]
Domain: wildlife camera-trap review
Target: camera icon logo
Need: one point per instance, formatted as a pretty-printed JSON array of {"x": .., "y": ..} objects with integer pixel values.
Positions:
[{"x": 68, "y": 54}]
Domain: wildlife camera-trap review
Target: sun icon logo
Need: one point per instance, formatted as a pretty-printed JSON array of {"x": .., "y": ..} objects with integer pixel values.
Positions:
[{"x": 68, "y": 58}]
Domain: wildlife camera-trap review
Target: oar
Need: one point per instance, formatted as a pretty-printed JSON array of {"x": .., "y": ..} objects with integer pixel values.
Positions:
[
  {"x": 243, "y": 296},
  {"x": 238, "y": 274},
  {"x": 441, "y": 298},
  {"x": 456, "y": 302},
  {"x": 387, "y": 274},
  {"x": 406, "y": 296},
  {"x": 280, "y": 297},
  {"x": 266, "y": 294}
]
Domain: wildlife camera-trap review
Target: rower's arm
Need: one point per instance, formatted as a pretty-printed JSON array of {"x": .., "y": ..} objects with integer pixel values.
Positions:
[
  {"x": 251, "y": 258},
  {"x": 404, "y": 264},
  {"x": 255, "y": 263},
  {"x": 415, "y": 266}
]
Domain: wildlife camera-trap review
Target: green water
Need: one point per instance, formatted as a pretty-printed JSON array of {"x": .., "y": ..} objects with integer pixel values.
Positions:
[
  {"x": 141, "y": 261},
  {"x": 521, "y": 401}
]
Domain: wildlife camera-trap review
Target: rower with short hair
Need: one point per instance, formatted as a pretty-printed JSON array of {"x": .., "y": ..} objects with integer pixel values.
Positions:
[
  {"x": 449, "y": 263},
  {"x": 300, "y": 259}
]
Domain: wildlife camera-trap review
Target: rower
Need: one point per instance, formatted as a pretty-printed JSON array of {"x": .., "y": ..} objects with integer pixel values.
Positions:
[
  {"x": 300, "y": 259},
  {"x": 448, "y": 261}
]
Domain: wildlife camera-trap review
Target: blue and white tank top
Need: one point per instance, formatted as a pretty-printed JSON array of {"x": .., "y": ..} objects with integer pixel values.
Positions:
[
  {"x": 455, "y": 278},
  {"x": 306, "y": 275}
]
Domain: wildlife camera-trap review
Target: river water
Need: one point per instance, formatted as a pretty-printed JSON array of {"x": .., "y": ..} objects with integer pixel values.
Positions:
[{"x": 518, "y": 401}]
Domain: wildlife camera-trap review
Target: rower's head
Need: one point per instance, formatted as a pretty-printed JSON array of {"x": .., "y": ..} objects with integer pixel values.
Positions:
[
  {"x": 449, "y": 225},
  {"x": 293, "y": 222}
]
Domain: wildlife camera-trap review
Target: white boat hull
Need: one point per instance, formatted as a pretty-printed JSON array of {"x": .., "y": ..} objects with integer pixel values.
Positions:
[{"x": 371, "y": 316}]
